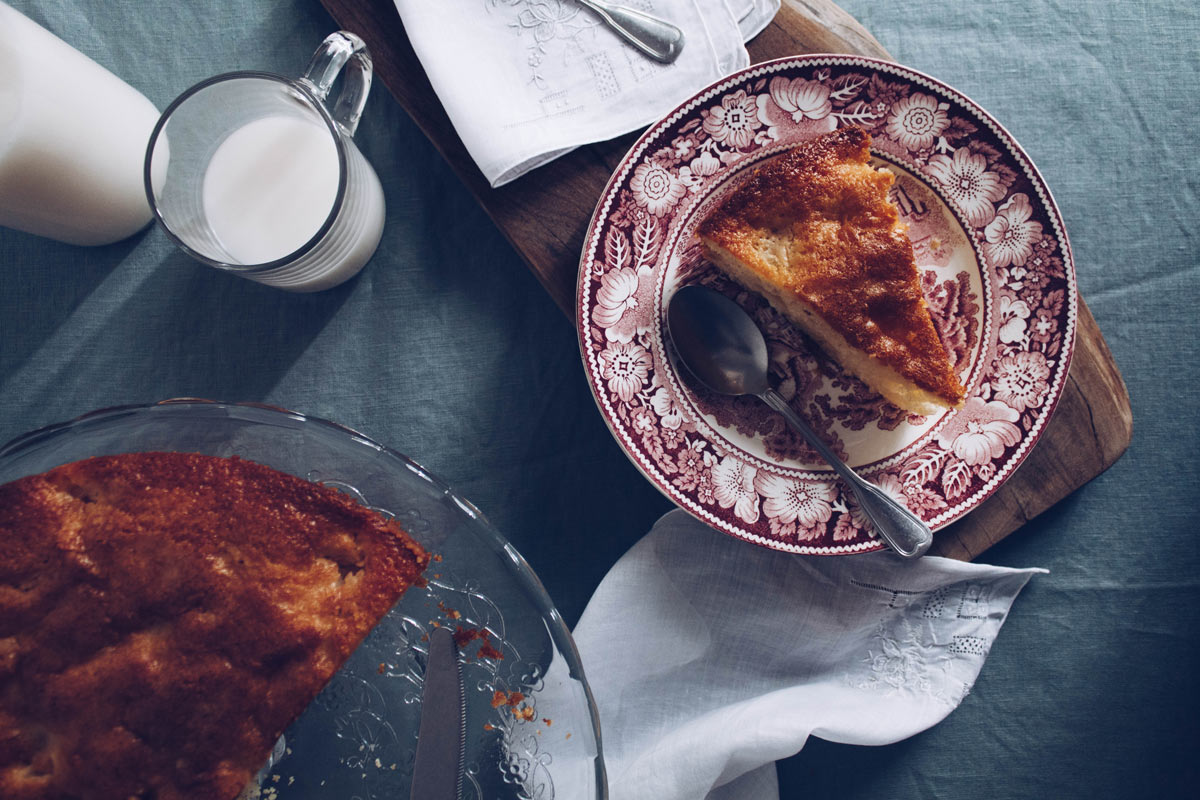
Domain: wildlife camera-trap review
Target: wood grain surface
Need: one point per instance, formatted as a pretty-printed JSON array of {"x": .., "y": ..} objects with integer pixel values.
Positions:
[{"x": 545, "y": 215}]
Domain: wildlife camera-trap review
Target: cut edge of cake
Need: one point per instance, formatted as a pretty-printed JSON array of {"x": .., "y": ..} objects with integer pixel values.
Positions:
[{"x": 885, "y": 380}]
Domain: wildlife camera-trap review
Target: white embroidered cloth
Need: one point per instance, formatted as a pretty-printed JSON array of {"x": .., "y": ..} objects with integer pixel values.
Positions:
[
  {"x": 710, "y": 658},
  {"x": 525, "y": 81}
]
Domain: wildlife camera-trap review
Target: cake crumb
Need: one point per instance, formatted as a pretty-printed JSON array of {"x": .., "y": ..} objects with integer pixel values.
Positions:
[
  {"x": 464, "y": 636},
  {"x": 503, "y": 698}
]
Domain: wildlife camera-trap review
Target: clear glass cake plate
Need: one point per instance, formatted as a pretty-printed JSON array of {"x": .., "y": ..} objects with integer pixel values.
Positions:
[{"x": 357, "y": 739}]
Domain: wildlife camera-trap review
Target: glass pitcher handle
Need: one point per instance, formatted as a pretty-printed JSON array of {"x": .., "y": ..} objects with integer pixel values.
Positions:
[{"x": 341, "y": 49}]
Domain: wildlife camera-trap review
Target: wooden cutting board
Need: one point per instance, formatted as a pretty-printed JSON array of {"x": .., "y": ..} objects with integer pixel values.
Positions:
[{"x": 545, "y": 216}]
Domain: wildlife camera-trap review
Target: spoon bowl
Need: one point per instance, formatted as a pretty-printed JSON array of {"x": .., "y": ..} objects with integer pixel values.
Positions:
[
  {"x": 717, "y": 341},
  {"x": 721, "y": 346}
]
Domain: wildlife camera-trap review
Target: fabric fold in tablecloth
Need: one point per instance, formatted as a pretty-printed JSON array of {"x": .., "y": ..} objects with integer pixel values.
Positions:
[
  {"x": 525, "y": 81},
  {"x": 710, "y": 658}
]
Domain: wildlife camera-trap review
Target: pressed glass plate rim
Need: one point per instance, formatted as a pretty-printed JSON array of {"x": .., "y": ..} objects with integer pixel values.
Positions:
[{"x": 273, "y": 415}]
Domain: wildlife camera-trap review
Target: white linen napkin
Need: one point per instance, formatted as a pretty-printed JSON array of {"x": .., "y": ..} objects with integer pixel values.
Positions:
[
  {"x": 525, "y": 81},
  {"x": 710, "y": 658}
]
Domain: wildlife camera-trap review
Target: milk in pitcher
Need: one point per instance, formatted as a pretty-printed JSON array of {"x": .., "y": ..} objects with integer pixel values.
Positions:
[{"x": 272, "y": 184}]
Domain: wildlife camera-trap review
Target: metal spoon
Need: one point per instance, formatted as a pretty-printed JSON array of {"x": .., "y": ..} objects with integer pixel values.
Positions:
[
  {"x": 720, "y": 344},
  {"x": 655, "y": 37}
]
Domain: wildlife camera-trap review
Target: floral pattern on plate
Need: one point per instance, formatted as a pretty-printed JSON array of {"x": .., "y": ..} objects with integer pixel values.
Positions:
[{"x": 995, "y": 265}]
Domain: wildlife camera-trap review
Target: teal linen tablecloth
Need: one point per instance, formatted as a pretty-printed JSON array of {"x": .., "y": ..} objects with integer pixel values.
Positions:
[{"x": 446, "y": 349}]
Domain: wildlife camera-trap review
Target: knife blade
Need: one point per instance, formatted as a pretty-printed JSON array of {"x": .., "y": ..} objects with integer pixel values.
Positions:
[{"x": 437, "y": 766}]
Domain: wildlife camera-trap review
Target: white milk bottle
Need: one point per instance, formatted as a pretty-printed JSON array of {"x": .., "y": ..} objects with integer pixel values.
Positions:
[{"x": 72, "y": 140}]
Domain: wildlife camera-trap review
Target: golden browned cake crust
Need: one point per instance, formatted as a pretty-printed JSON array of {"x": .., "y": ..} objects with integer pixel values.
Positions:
[
  {"x": 164, "y": 616},
  {"x": 815, "y": 231}
]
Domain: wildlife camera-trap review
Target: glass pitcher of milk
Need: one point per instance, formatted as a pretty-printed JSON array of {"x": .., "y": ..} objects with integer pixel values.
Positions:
[
  {"x": 262, "y": 179},
  {"x": 72, "y": 140}
]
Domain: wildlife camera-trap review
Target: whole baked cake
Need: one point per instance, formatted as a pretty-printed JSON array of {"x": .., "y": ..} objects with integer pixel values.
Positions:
[
  {"x": 165, "y": 616},
  {"x": 813, "y": 232}
]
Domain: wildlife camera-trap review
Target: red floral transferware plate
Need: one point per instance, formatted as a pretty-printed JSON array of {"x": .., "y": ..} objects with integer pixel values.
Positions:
[{"x": 995, "y": 264}]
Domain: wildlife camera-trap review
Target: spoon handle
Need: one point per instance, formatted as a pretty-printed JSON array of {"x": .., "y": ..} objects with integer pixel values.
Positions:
[
  {"x": 899, "y": 527},
  {"x": 655, "y": 37}
]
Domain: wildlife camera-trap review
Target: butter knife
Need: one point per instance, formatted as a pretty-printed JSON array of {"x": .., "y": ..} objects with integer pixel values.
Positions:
[
  {"x": 438, "y": 765},
  {"x": 654, "y": 37}
]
